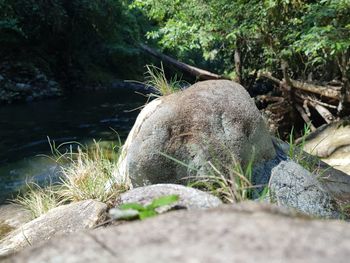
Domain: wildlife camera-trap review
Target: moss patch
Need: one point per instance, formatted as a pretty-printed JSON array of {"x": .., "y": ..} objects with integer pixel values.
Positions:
[{"x": 5, "y": 229}]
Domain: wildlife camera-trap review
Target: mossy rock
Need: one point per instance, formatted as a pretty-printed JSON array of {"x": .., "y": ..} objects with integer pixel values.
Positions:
[{"x": 5, "y": 229}]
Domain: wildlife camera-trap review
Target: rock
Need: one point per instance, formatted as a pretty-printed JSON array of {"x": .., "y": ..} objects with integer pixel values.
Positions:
[
  {"x": 293, "y": 186},
  {"x": 12, "y": 217},
  {"x": 190, "y": 198},
  {"x": 22, "y": 87},
  {"x": 332, "y": 181},
  {"x": 24, "y": 82},
  {"x": 52, "y": 83},
  {"x": 1, "y": 78},
  {"x": 211, "y": 120},
  {"x": 331, "y": 142},
  {"x": 245, "y": 233},
  {"x": 41, "y": 77},
  {"x": 61, "y": 220}
]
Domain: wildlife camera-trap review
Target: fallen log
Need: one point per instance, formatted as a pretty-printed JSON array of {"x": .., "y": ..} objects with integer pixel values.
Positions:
[
  {"x": 305, "y": 117},
  {"x": 326, "y": 91},
  {"x": 194, "y": 71},
  {"x": 332, "y": 92},
  {"x": 324, "y": 113}
]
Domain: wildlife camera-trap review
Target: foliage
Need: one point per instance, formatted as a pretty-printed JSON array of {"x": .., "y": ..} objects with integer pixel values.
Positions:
[
  {"x": 71, "y": 39},
  {"x": 131, "y": 211},
  {"x": 309, "y": 35}
]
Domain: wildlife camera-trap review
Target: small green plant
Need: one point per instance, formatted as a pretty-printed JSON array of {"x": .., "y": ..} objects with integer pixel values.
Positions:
[
  {"x": 296, "y": 153},
  {"x": 345, "y": 211},
  {"x": 155, "y": 78},
  {"x": 295, "y": 149},
  {"x": 131, "y": 211}
]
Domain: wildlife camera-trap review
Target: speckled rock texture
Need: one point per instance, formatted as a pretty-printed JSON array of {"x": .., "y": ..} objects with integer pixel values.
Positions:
[
  {"x": 293, "y": 186},
  {"x": 12, "y": 216},
  {"x": 189, "y": 198},
  {"x": 247, "y": 233},
  {"x": 61, "y": 220},
  {"x": 211, "y": 120}
]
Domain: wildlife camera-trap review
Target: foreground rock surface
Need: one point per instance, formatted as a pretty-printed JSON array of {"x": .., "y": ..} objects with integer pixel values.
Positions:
[
  {"x": 246, "y": 233},
  {"x": 190, "y": 198},
  {"x": 61, "y": 220},
  {"x": 211, "y": 120},
  {"x": 11, "y": 217}
]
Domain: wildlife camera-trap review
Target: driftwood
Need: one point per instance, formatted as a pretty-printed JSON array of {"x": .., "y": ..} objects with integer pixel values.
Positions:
[
  {"x": 331, "y": 92},
  {"x": 303, "y": 96},
  {"x": 194, "y": 71},
  {"x": 325, "y": 114}
]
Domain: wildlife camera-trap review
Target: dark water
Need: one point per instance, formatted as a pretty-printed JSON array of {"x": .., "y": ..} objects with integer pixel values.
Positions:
[{"x": 24, "y": 130}]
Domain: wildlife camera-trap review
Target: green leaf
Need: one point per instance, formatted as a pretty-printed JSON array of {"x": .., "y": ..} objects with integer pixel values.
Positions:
[
  {"x": 134, "y": 206},
  {"x": 162, "y": 201},
  {"x": 126, "y": 214},
  {"x": 147, "y": 214}
]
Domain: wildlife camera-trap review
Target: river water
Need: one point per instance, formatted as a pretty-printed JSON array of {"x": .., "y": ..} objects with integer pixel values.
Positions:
[{"x": 25, "y": 128}]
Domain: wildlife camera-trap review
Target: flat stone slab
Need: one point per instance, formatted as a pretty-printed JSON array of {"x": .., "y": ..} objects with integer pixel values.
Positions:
[
  {"x": 61, "y": 220},
  {"x": 189, "y": 198},
  {"x": 246, "y": 233}
]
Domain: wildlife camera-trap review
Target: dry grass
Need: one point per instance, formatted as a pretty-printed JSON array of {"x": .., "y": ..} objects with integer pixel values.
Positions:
[
  {"x": 91, "y": 175},
  {"x": 231, "y": 183},
  {"x": 88, "y": 173},
  {"x": 155, "y": 78},
  {"x": 39, "y": 200}
]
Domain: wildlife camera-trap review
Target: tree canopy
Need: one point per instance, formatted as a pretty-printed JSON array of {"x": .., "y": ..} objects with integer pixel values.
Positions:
[
  {"x": 311, "y": 35},
  {"x": 73, "y": 38}
]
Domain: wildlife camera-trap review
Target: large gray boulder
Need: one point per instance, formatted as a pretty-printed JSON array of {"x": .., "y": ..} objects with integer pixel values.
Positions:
[
  {"x": 189, "y": 198},
  {"x": 61, "y": 220},
  {"x": 211, "y": 120},
  {"x": 245, "y": 233}
]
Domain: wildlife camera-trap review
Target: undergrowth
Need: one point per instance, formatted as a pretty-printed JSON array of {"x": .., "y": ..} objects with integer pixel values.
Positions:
[
  {"x": 296, "y": 153},
  {"x": 231, "y": 183}
]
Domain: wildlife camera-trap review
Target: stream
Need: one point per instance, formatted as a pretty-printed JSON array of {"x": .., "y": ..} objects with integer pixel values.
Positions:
[{"x": 25, "y": 129}]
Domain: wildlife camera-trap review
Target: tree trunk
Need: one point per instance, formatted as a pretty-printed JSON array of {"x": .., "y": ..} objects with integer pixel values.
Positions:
[
  {"x": 197, "y": 72},
  {"x": 344, "y": 103},
  {"x": 238, "y": 61}
]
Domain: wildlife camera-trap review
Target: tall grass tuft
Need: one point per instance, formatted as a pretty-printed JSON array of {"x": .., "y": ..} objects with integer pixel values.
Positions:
[
  {"x": 155, "y": 78},
  {"x": 91, "y": 175},
  {"x": 296, "y": 153},
  {"x": 88, "y": 173},
  {"x": 231, "y": 183},
  {"x": 39, "y": 200}
]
